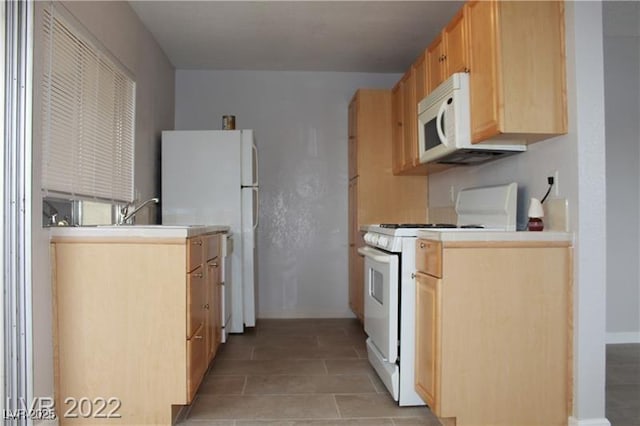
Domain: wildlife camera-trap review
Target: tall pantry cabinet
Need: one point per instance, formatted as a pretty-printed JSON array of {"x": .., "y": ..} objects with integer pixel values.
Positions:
[{"x": 375, "y": 194}]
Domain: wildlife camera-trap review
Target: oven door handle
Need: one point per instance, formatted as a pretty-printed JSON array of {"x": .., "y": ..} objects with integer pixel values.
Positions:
[{"x": 374, "y": 254}]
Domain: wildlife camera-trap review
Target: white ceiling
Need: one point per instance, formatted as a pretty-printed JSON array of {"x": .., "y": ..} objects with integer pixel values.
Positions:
[{"x": 361, "y": 36}]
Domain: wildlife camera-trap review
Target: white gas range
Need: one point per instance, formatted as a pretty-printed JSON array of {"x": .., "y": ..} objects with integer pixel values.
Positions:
[{"x": 389, "y": 275}]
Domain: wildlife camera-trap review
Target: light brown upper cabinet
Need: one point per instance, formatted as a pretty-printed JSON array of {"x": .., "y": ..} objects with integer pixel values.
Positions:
[
  {"x": 353, "y": 158},
  {"x": 422, "y": 82},
  {"x": 410, "y": 150},
  {"x": 517, "y": 70},
  {"x": 405, "y": 97},
  {"x": 456, "y": 46},
  {"x": 445, "y": 55},
  {"x": 435, "y": 55},
  {"x": 515, "y": 56},
  {"x": 448, "y": 52}
]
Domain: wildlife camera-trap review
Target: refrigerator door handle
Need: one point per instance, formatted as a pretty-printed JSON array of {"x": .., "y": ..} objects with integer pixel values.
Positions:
[
  {"x": 255, "y": 207},
  {"x": 255, "y": 163}
]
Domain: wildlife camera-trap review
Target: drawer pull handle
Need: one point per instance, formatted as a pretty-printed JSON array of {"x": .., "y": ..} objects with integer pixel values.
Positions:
[
  {"x": 198, "y": 275},
  {"x": 422, "y": 245},
  {"x": 206, "y": 306},
  {"x": 198, "y": 337},
  {"x": 197, "y": 243}
]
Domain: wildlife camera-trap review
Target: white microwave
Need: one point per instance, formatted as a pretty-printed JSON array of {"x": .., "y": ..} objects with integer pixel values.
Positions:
[{"x": 444, "y": 127}]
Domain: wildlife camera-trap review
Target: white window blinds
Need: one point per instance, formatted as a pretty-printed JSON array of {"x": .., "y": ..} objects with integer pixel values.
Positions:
[{"x": 88, "y": 116}]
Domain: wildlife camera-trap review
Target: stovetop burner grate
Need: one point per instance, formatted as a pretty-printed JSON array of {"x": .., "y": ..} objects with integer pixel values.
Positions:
[{"x": 417, "y": 225}]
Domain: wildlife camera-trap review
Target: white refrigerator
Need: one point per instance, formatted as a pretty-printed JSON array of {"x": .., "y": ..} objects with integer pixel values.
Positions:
[{"x": 210, "y": 177}]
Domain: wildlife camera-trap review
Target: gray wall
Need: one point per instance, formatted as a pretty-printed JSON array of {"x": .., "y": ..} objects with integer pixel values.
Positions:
[
  {"x": 300, "y": 122},
  {"x": 116, "y": 26},
  {"x": 579, "y": 159},
  {"x": 622, "y": 105}
]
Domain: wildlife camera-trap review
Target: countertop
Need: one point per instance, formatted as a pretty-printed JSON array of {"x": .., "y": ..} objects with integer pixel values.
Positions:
[
  {"x": 135, "y": 231},
  {"x": 481, "y": 235}
]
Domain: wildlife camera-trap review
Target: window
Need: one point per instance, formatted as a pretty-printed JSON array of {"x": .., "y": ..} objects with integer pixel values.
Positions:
[{"x": 88, "y": 116}]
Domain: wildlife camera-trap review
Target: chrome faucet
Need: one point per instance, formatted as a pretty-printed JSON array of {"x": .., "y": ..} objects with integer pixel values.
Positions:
[
  {"x": 51, "y": 212},
  {"x": 125, "y": 210}
]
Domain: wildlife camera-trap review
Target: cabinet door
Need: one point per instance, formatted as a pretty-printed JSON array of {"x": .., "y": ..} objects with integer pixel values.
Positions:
[
  {"x": 429, "y": 257},
  {"x": 421, "y": 77},
  {"x": 410, "y": 151},
  {"x": 195, "y": 253},
  {"x": 352, "y": 278},
  {"x": 196, "y": 361},
  {"x": 353, "y": 145},
  {"x": 355, "y": 266},
  {"x": 211, "y": 247},
  {"x": 196, "y": 300},
  {"x": 435, "y": 53},
  {"x": 427, "y": 363},
  {"x": 214, "y": 322},
  {"x": 356, "y": 281},
  {"x": 397, "y": 132},
  {"x": 353, "y": 210},
  {"x": 217, "y": 307},
  {"x": 352, "y": 117},
  {"x": 484, "y": 73},
  {"x": 455, "y": 42}
]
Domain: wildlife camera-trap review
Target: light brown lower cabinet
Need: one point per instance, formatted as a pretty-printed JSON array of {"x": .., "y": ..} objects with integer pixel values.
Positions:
[
  {"x": 427, "y": 337},
  {"x": 213, "y": 305},
  {"x": 136, "y": 322},
  {"x": 197, "y": 326},
  {"x": 356, "y": 280},
  {"x": 493, "y": 332}
]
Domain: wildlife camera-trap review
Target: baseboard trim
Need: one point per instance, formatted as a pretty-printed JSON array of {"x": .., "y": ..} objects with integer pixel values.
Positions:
[
  {"x": 304, "y": 314},
  {"x": 588, "y": 422},
  {"x": 623, "y": 337}
]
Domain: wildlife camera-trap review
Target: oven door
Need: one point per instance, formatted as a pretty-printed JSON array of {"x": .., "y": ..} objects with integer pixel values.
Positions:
[{"x": 381, "y": 277}]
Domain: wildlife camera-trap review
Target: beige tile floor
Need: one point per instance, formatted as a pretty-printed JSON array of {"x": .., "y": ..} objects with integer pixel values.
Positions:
[
  {"x": 298, "y": 372},
  {"x": 623, "y": 385},
  {"x": 315, "y": 373}
]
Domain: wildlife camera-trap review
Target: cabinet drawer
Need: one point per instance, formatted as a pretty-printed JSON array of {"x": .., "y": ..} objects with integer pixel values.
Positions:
[
  {"x": 194, "y": 253},
  {"x": 212, "y": 247},
  {"x": 196, "y": 361},
  {"x": 429, "y": 257},
  {"x": 196, "y": 298}
]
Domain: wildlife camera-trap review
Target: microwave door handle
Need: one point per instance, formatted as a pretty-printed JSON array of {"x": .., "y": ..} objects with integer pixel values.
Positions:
[{"x": 441, "y": 111}]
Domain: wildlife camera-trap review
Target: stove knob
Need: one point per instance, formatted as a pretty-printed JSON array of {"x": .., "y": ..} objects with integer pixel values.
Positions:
[
  {"x": 374, "y": 238},
  {"x": 383, "y": 241}
]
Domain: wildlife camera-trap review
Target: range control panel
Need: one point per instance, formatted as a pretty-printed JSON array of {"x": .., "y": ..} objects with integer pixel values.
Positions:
[{"x": 385, "y": 242}]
